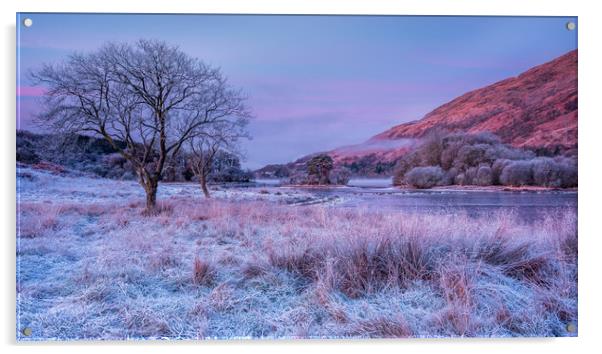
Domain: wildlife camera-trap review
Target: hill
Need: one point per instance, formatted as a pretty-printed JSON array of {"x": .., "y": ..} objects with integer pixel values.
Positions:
[{"x": 536, "y": 110}]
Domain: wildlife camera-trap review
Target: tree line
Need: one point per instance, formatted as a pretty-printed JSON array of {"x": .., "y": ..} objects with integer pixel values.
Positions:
[{"x": 481, "y": 159}]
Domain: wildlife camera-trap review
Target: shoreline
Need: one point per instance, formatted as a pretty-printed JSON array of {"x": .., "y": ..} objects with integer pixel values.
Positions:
[
  {"x": 260, "y": 184},
  {"x": 456, "y": 188},
  {"x": 450, "y": 188}
]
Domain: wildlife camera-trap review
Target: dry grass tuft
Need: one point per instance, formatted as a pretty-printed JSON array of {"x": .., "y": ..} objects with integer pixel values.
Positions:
[
  {"x": 383, "y": 327},
  {"x": 221, "y": 297},
  {"x": 203, "y": 272},
  {"x": 255, "y": 268},
  {"x": 36, "y": 220},
  {"x": 455, "y": 285}
]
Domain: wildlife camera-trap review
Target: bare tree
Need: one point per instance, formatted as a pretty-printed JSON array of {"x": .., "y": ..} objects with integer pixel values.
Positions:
[
  {"x": 208, "y": 142},
  {"x": 150, "y": 95}
]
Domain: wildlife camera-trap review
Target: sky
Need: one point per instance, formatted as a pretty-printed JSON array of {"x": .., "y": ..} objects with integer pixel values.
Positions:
[{"x": 314, "y": 82}]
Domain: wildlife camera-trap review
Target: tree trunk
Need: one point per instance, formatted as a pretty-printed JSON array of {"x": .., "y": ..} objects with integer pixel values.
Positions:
[
  {"x": 203, "y": 181},
  {"x": 150, "y": 185},
  {"x": 151, "y": 199}
]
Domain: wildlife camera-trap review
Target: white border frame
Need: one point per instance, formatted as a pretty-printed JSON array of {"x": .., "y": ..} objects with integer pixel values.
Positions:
[{"x": 590, "y": 172}]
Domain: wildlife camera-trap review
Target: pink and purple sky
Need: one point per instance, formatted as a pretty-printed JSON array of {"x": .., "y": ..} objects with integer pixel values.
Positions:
[{"x": 315, "y": 82}]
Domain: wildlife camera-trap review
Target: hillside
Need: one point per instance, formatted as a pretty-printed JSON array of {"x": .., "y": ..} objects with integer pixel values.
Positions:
[{"x": 535, "y": 110}]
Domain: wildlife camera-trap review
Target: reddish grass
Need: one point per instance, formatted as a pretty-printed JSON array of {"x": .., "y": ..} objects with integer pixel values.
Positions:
[
  {"x": 348, "y": 270},
  {"x": 203, "y": 272},
  {"x": 383, "y": 327},
  {"x": 41, "y": 219}
]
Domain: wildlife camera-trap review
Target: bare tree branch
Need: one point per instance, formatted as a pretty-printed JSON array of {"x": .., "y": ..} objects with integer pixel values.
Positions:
[{"x": 151, "y": 96}]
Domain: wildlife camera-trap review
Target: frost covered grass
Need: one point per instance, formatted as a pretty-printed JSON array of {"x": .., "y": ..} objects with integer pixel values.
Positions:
[{"x": 221, "y": 269}]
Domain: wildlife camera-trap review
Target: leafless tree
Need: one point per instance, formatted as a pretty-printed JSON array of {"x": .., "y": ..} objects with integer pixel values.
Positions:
[
  {"x": 149, "y": 95},
  {"x": 209, "y": 141}
]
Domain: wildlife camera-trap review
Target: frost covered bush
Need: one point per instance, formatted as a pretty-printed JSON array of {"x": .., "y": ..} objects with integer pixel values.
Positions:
[
  {"x": 405, "y": 164},
  {"x": 340, "y": 176},
  {"x": 430, "y": 149},
  {"x": 459, "y": 154},
  {"x": 232, "y": 174},
  {"x": 557, "y": 172},
  {"x": 560, "y": 172},
  {"x": 426, "y": 177},
  {"x": 484, "y": 176},
  {"x": 114, "y": 160},
  {"x": 25, "y": 150},
  {"x": 296, "y": 178},
  {"x": 497, "y": 168},
  {"x": 92, "y": 155},
  {"x": 481, "y": 159},
  {"x": 517, "y": 173},
  {"x": 461, "y": 149},
  {"x": 319, "y": 170},
  {"x": 471, "y": 156}
]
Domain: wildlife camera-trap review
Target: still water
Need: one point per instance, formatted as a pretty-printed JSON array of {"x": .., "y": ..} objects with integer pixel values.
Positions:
[{"x": 379, "y": 194}]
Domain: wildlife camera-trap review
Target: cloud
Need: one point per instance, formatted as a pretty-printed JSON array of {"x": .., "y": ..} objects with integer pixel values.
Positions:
[{"x": 30, "y": 91}]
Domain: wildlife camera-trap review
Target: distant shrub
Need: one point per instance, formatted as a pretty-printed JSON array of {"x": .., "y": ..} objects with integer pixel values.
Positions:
[
  {"x": 25, "y": 149},
  {"x": 431, "y": 148},
  {"x": 517, "y": 173},
  {"x": 570, "y": 175},
  {"x": 452, "y": 173},
  {"x": 481, "y": 159},
  {"x": 471, "y": 156},
  {"x": 71, "y": 151},
  {"x": 497, "y": 168},
  {"x": 340, "y": 176},
  {"x": 114, "y": 159},
  {"x": 454, "y": 143},
  {"x": 557, "y": 172},
  {"x": 27, "y": 155},
  {"x": 370, "y": 165},
  {"x": 484, "y": 176},
  {"x": 318, "y": 169},
  {"x": 232, "y": 174},
  {"x": 403, "y": 165},
  {"x": 501, "y": 151},
  {"x": 460, "y": 179},
  {"x": 298, "y": 177},
  {"x": 554, "y": 172},
  {"x": 470, "y": 175},
  {"x": 425, "y": 177},
  {"x": 226, "y": 167}
]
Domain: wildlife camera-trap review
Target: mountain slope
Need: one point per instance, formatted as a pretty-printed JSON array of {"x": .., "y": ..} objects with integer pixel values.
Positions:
[{"x": 536, "y": 109}]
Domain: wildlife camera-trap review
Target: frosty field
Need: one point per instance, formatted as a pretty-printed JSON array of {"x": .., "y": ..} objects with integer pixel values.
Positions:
[{"x": 279, "y": 262}]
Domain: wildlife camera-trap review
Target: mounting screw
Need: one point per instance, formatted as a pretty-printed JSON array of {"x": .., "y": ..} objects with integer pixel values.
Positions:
[
  {"x": 571, "y": 328},
  {"x": 27, "y": 22},
  {"x": 570, "y": 25},
  {"x": 26, "y": 331}
]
